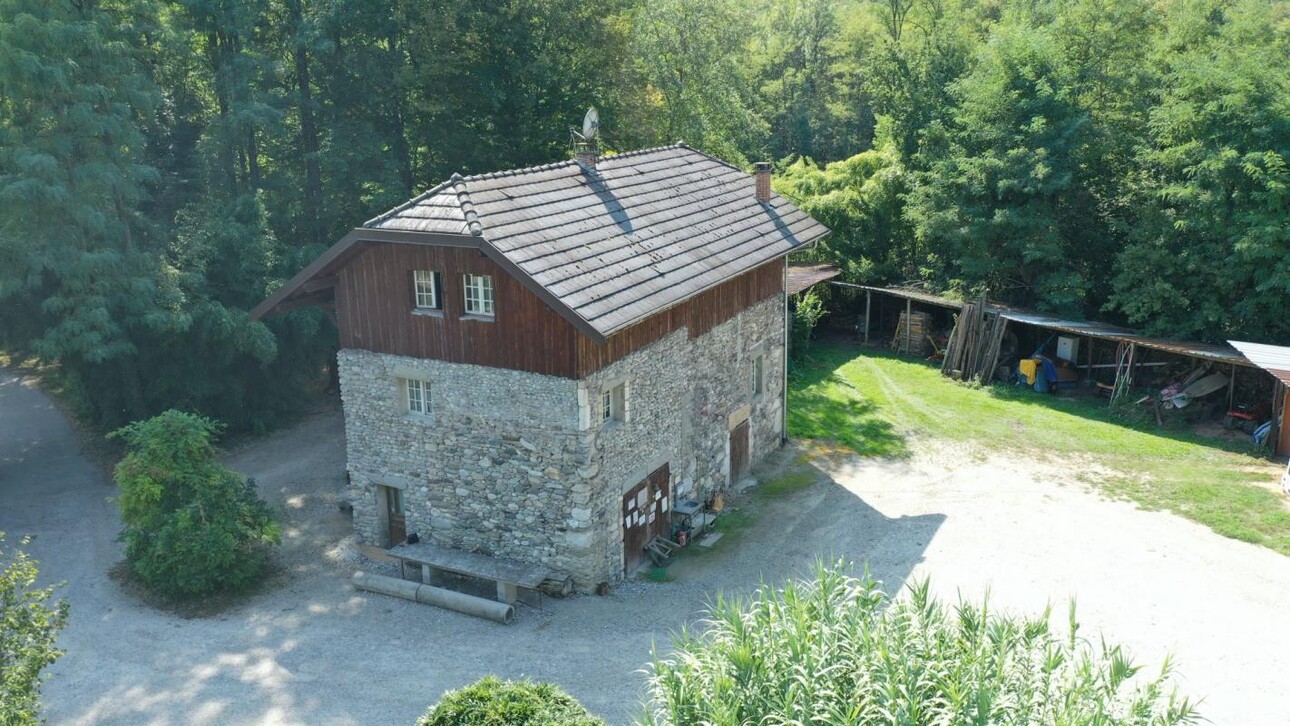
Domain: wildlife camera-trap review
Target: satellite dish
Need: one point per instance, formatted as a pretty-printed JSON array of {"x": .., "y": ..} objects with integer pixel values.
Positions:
[{"x": 591, "y": 124}]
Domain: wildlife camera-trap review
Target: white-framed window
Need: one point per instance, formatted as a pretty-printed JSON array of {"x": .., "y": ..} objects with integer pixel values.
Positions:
[
  {"x": 479, "y": 294},
  {"x": 759, "y": 375},
  {"x": 613, "y": 403},
  {"x": 416, "y": 396},
  {"x": 425, "y": 284}
]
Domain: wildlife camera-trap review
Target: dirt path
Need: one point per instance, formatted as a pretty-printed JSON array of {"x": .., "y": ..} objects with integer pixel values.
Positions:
[{"x": 312, "y": 650}]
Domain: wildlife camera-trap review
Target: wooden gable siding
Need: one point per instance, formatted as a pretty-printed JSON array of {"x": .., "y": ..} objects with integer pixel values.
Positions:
[
  {"x": 374, "y": 302},
  {"x": 699, "y": 314},
  {"x": 374, "y": 312}
]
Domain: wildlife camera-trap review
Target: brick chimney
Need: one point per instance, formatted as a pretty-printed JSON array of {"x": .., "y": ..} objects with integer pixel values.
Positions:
[
  {"x": 761, "y": 172},
  {"x": 588, "y": 155}
]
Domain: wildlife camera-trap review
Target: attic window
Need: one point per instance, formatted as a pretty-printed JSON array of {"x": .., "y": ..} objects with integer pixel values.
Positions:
[
  {"x": 426, "y": 285},
  {"x": 479, "y": 295}
]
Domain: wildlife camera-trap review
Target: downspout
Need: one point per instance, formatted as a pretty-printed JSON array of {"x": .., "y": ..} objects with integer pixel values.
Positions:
[{"x": 783, "y": 391}]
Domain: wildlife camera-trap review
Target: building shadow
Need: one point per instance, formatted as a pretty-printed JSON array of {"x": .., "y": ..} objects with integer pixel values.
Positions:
[{"x": 784, "y": 534}]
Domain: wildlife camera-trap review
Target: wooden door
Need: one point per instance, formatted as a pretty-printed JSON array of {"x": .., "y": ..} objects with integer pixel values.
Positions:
[
  {"x": 646, "y": 514},
  {"x": 739, "y": 450},
  {"x": 398, "y": 527}
]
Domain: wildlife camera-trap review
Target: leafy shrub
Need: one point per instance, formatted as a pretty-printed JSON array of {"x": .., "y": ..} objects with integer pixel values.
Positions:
[
  {"x": 836, "y": 650},
  {"x": 192, "y": 526},
  {"x": 29, "y": 624},
  {"x": 807, "y": 311},
  {"x": 494, "y": 702}
]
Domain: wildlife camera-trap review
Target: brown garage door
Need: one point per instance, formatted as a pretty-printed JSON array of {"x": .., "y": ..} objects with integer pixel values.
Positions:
[{"x": 646, "y": 514}]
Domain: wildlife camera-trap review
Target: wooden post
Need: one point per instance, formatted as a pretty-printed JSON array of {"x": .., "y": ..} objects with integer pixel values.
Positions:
[
  {"x": 868, "y": 301},
  {"x": 1133, "y": 349},
  {"x": 909, "y": 310},
  {"x": 1091, "y": 341},
  {"x": 1280, "y": 430},
  {"x": 1231, "y": 387}
]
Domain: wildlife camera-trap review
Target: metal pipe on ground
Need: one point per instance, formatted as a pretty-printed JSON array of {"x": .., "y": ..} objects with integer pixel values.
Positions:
[{"x": 479, "y": 607}]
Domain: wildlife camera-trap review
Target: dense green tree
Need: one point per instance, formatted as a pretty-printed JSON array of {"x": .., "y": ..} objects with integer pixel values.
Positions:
[
  {"x": 1003, "y": 202},
  {"x": 690, "y": 56},
  {"x": 30, "y": 620},
  {"x": 495, "y": 86},
  {"x": 78, "y": 281},
  {"x": 491, "y": 701},
  {"x": 1209, "y": 253},
  {"x": 862, "y": 199},
  {"x": 796, "y": 70},
  {"x": 192, "y": 526},
  {"x": 164, "y": 164}
]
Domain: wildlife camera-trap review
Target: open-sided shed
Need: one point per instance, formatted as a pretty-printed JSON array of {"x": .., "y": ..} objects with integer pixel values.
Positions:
[{"x": 1131, "y": 348}]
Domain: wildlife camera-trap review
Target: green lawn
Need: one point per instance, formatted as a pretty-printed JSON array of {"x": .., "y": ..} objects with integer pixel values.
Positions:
[{"x": 876, "y": 403}]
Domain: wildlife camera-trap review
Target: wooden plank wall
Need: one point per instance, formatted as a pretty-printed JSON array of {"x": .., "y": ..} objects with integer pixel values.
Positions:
[
  {"x": 700, "y": 314},
  {"x": 374, "y": 312},
  {"x": 374, "y": 303}
]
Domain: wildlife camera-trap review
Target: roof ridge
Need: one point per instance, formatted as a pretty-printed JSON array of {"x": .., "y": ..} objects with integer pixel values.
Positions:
[
  {"x": 467, "y": 206},
  {"x": 408, "y": 204},
  {"x": 717, "y": 159},
  {"x": 567, "y": 162}
]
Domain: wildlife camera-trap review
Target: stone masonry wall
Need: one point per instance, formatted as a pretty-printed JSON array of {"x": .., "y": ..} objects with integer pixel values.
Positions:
[
  {"x": 492, "y": 468},
  {"x": 521, "y": 465},
  {"x": 681, "y": 397}
]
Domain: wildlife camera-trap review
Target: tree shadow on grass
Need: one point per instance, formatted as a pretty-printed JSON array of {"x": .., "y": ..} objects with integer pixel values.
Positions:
[{"x": 824, "y": 406}]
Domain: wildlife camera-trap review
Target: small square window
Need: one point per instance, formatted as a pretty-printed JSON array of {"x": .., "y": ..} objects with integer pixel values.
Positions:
[
  {"x": 426, "y": 286},
  {"x": 613, "y": 403},
  {"x": 759, "y": 375},
  {"x": 418, "y": 396},
  {"x": 479, "y": 294}
]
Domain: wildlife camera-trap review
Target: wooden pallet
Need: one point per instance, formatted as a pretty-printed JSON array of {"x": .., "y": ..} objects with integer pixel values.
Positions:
[{"x": 920, "y": 328}]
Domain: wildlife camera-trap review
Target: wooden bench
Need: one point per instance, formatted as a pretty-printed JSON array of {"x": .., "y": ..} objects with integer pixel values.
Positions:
[{"x": 509, "y": 575}]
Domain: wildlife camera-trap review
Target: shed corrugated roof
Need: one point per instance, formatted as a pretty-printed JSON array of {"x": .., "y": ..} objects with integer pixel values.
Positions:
[
  {"x": 1274, "y": 359},
  {"x": 639, "y": 233},
  {"x": 1105, "y": 331},
  {"x": 1092, "y": 329}
]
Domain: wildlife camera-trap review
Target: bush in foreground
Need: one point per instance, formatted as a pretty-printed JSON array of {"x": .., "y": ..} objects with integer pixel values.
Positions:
[
  {"x": 493, "y": 702},
  {"x": 836, "y": 650},
  {"x": 30, "y": 619},
  {"x": 192, "y": 526}
]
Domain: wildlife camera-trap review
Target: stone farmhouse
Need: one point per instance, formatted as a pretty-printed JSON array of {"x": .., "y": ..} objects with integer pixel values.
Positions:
[{"x": 536, "y": 364}]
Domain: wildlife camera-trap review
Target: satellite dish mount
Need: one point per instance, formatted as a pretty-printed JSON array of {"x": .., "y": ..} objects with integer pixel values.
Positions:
[{"x": 586, "y": 144}]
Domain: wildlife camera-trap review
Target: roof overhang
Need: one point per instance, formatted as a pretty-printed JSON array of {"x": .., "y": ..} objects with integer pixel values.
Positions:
[
  {"x": 315, "y": 284},
  {"x": 1274, "y": 359},
  {"x": 803, "y": 277}
]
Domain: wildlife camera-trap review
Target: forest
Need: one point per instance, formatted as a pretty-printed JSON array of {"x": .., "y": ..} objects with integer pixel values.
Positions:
[{"x": 164, "y": 164}]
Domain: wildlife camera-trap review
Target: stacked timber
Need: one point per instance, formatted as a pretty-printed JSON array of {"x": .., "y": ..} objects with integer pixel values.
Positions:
[
  {"x": 973, "y": 351},
  {"x": 919, "y": 330}
]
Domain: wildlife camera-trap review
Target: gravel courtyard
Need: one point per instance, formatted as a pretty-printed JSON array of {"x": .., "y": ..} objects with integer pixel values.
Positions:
[{"x": 309, "y": 649}]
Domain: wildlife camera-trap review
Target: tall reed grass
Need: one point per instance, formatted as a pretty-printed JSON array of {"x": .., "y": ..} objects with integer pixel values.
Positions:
[{"x": 838, "y": 650}]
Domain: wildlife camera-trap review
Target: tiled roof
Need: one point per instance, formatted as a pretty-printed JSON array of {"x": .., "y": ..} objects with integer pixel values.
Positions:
[{"x": 640, "y": 232}]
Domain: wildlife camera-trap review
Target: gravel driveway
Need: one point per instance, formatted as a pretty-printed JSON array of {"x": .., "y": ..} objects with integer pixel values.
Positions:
[{"x": 309, "y": 649}]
